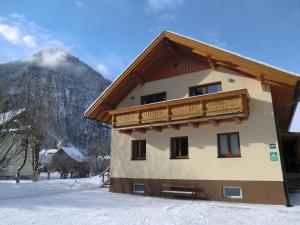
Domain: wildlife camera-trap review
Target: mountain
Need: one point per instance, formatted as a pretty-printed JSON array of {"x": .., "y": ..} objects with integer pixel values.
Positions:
[{"x": 62, "y": 87}]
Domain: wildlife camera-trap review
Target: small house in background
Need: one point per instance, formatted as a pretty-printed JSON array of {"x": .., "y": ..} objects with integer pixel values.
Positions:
[
  {"x": 45, "y": 158},
  {"x": 69, "y": 160}
]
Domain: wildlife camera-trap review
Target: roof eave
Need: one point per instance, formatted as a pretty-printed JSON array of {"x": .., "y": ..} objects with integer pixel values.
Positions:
[{"x": 89, "y": 113}]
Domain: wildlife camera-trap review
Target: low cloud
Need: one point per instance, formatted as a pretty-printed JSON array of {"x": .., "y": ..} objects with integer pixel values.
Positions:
[
  {"x": 103, "y": 69},
  {"x": 20, "y": 37},
  {"x": 49, "y": 57},
  {"x": 164, "y": 12},
  {"x": 10, "y": 33},
  {"x": 78, "y": 4},
  {"x": 29, "y": 41}
]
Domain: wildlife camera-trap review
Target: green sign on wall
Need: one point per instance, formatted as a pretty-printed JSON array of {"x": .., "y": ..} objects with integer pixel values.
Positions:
[{"x": 273, "y": 156}]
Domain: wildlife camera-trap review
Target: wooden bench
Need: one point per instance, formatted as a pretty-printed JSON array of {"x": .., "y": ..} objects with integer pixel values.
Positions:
[{"x": 178, "y": 190}]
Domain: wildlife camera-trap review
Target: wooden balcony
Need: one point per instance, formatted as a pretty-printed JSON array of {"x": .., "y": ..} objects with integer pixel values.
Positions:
[{"x": 213, "y": 108}]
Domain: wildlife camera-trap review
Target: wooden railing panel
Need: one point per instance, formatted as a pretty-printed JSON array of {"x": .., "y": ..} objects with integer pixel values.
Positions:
[
  {"x": 156, "y": 115},
  {"x": 186, "y": 111},
  {"x": 207, "y": 106},
  {"x": 127, "y": 119},
  {"x": 224, "y": 106}
]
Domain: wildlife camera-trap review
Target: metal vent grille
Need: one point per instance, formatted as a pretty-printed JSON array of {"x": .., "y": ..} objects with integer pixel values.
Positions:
[{"x": 232, "y": 192}]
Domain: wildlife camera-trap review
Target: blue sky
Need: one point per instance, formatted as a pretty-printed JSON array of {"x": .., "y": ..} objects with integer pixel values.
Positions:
[{"x": 109, "y": 34}]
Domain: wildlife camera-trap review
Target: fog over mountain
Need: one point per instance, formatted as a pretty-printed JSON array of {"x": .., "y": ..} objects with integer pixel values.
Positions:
[{"x": 63, "y": 86}]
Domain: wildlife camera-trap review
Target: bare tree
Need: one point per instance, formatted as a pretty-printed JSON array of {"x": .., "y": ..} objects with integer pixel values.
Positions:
[
  {"x": 20, "y": 136},
  {"x": 99, "y": 150}
]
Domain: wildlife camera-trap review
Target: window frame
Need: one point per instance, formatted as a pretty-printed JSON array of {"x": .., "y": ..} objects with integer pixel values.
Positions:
[
  {"x": 171, "y": 150},
  {"x": 229, "y": 154},
  {"x": 151, "y": 95},
  {"x": 232, "y": 196},
  {"x": 138, "y": 192},
  {"x": 139, "y": 151},
  {"x": 206, "y": 88}
]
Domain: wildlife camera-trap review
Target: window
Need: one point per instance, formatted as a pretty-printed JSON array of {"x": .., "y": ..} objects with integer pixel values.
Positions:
[
  {"x": 138, "y": 188},
  {"x": 139, "y": 150},
  {"x": 205, "y": 89},
  {"x": 229, "y": 145},
  {"x": 179, "y": 148},
  {"x": 232, "y": 192},
  {"x": 160, "y": 97}
]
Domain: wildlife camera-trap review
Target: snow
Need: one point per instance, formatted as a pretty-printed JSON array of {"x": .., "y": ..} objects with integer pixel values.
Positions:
[
  {"x": 81, "y": 201},
  {"x": 48, "y": 151},
  {"x": 8, "y": 116},
  {"x": 11, "y": 190},
  {"x": 46, "y": 155},
  {"x": 74, "y": 153}
]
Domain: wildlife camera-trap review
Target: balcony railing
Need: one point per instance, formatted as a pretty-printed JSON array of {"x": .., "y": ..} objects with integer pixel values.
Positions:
[{"x": 212, "y": 107}]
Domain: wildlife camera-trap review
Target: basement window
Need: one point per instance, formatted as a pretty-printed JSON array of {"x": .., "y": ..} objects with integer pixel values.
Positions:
[
  {"x": 138, "y": 188},
  {"x": 159, "y": 97},
  {"x": 232, "y": 192}
]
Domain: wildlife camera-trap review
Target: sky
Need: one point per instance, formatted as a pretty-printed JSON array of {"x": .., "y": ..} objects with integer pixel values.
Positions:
[{"x": 109, "y": 34}]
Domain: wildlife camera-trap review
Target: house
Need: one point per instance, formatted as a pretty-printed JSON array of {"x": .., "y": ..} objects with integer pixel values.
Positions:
[
  {"x": 189, "y": 113},
  {"x": 69, "y": 160},
  {"x": 12, "y": 154}
]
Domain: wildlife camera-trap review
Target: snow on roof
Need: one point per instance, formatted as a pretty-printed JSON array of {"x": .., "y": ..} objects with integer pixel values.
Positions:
[
  {"x": 46, "y": 155},
  {"x": 48, "y": 151},
  {"x": 74, "y": 153},
  {"x": 8, "y": 116}
]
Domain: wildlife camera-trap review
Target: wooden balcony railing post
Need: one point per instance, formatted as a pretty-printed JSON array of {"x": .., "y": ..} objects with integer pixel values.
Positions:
[
  {"x": 140, "y": 117},
  {"x": 168, "y": 113}
]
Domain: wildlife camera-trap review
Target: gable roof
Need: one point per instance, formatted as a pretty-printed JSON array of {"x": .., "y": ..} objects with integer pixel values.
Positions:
[
  {"x": 74, "y": 153},
  {"x": 283, "y": 82}
]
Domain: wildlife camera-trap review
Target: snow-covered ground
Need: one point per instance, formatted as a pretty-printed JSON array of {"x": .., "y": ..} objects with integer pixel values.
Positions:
[{"x": 82, "y": 202}]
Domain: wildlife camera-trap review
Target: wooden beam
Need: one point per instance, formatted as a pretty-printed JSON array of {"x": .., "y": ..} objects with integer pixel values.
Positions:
[
  {"x": 158, "y": 129},
  {"x": 237, "y": 120},
  {"x": 214, "y": 122},
  {"x": 193, "y": 124},
  {"x": 266, "y": 81},
  {"x": 211, "y": 62},
  {"x": 140, "y": 130},
  {"x": 107, "y": 107},
  {"x": 263, "y": 84},
  {"x": 226, "y": 63},
  {"x": 126, "y": 131},
  {"x": 175, "y": 127}
]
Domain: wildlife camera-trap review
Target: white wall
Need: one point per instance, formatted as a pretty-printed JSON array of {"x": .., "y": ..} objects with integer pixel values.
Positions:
[{"x": 256, "y": 133}]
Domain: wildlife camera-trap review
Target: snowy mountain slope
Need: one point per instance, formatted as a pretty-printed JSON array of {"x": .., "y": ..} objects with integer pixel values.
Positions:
[{"x": 63, "y": 87}]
